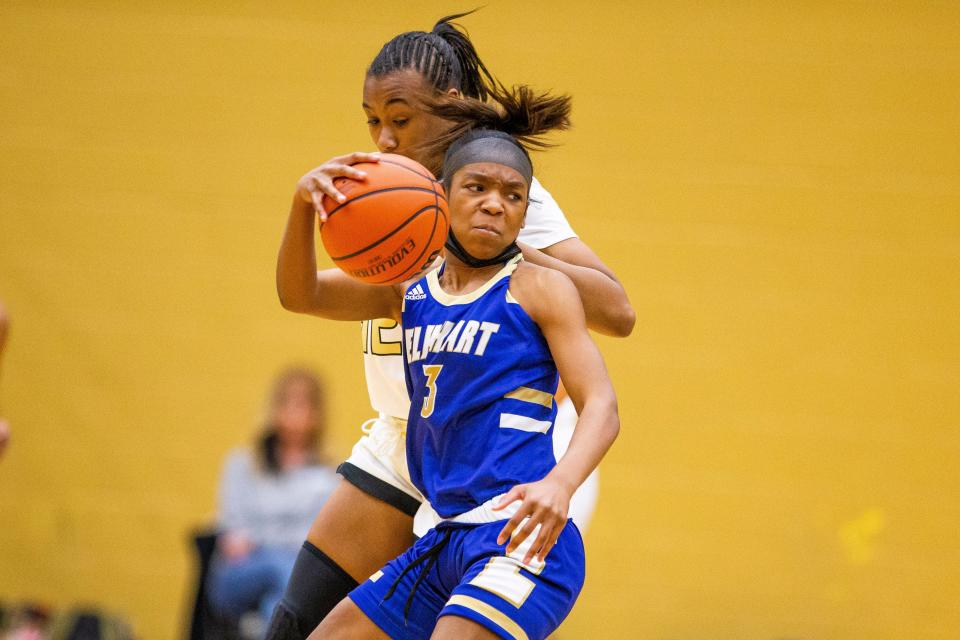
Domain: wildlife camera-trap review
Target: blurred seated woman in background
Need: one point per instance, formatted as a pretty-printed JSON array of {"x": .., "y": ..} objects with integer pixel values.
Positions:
[{"x": 269, "y": 496}]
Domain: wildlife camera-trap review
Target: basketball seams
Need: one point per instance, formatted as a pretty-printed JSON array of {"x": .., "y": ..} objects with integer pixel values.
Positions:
[
  {"x": 428, "y": 176},
  {"x": 433, "y": 232},
  {"x": 383, "y": 238},
  {"x": 416, "y": 261},
  {"x": 395, "y": 244},
  {"x": 371, "y": 193}
]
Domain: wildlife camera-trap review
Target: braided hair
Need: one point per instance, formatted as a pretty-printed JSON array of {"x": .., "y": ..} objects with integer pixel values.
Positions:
[{"x": 445, "y": 57}]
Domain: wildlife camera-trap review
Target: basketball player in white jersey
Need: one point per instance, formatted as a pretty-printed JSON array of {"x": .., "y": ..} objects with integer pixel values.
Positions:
[{"x": 368, "y": 519}]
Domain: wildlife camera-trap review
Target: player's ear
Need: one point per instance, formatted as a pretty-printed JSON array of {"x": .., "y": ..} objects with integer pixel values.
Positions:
[{"x": 453, "y": 92}]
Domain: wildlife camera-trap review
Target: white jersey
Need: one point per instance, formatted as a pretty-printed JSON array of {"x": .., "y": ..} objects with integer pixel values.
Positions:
[
  {"x": 545, "y": 225},
  {"x": 584, "y": 499}
]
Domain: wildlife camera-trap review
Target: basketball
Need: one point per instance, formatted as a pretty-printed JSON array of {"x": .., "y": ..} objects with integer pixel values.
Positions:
[{"x": 391, "y": 226}]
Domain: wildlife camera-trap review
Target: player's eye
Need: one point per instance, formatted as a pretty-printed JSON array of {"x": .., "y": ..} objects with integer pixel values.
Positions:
[
  {"x": 474, "y": 186},
  {"x": 400, "y": 122},
  {"x": 372, "y": 122}
]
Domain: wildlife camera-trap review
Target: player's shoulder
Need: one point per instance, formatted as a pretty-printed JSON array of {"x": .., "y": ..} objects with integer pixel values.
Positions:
[
  {"x": 545, "y": 223},
  {"x": 540, "y": 200},
  {"x": 537, "y": 189},
  {"x": 540, "y": 276},
  {"x": 534, "y": 286}
]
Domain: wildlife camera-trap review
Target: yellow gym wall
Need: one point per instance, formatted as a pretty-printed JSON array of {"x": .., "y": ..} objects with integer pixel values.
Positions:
[{"x": 776, "y": 184}]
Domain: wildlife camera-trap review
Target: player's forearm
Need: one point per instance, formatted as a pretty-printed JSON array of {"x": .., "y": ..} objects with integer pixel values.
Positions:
[
  {"x": 605, "y": 301},
  {"x": 297, "y": 261},
  {"x": 596, "y": 430}
]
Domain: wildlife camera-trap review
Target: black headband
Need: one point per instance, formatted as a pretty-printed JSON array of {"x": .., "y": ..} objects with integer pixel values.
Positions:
[{"x": 484, "y": 145}]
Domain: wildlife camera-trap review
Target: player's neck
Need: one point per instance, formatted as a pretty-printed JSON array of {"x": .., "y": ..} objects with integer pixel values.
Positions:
[{"x": 459, "y": 278}]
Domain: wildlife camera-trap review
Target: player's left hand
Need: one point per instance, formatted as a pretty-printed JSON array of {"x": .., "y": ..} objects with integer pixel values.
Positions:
[{"x": 544, "y": 503}]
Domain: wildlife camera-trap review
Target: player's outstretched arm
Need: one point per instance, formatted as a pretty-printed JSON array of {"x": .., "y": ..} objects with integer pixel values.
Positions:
[
  {"x": 551, "y": 299},
  {"x": 331, "y": 293},
  {"x": 605, "y": 301}
]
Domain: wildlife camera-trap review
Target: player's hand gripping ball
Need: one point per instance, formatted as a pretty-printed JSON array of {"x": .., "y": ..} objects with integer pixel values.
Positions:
[{"x": 391, "y": 226}]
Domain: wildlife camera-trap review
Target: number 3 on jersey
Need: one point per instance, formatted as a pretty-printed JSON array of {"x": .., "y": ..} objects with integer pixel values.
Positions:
[{"x": 432, "y": 371}]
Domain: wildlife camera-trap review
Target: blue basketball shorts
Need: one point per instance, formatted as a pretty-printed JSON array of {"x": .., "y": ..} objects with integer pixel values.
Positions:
[{"x": 461, "y": 570}]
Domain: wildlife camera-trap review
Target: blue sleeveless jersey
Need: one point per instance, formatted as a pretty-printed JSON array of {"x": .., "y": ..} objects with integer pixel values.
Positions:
[{"x": 481, "y": 380}]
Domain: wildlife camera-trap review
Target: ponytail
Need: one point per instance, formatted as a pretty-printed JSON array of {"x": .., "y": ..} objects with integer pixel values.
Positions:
[
  {"x": 518, "y": 111},
  {"x": 475, "y": 79}
]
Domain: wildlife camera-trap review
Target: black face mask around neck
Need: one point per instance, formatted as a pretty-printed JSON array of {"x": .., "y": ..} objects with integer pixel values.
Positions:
[{"x": 453, "y": 246}]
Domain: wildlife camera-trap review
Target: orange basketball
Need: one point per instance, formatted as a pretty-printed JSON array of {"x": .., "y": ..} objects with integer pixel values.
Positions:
[{"x": 391, "y": 226}]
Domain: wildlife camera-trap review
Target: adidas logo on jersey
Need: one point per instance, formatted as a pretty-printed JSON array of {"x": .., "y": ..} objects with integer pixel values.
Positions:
[{"x": 415, "y": 294}]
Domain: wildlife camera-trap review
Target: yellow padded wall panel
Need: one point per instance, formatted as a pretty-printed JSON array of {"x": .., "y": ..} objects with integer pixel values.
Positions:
[{"x": 777, "y": 186}]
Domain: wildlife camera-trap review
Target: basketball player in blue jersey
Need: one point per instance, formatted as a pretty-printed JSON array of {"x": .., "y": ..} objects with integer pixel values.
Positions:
[
  {"x": 368, "y": 519},
  {"x": 484, "y": 338}
]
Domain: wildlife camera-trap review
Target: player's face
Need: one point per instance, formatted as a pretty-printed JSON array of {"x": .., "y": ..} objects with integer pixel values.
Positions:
[
  {"x": 488, "y": 204},
  {"x": 397, "y": 121}
]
